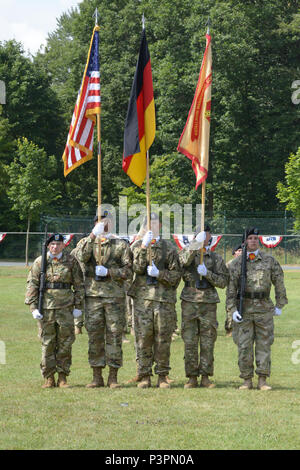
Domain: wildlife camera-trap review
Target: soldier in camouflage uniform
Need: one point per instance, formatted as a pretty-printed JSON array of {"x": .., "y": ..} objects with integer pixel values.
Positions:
[
  {"x": 154, "y": 294},
  {"x": 199, "y": 307},
  {"x": 105, "y": 298},
  {"x": 79, "y": 321},
  {"x": 237, "y": 251},
  {"x": 256, "y": 327},
  {"x": 63, "y": 300}
]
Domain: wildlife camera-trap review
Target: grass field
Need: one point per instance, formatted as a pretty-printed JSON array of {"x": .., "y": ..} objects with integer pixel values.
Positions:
[{"x": 155, "y": 419}]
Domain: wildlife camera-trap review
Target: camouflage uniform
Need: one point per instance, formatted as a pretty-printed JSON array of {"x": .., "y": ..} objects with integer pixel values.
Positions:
[
  {"x": 79, "y": 321},
  {"x": 154, "y": 306},
  {"x": 257, "y": 325},
  {"x": 105, "y": 299},
  {"x": 58, "y": 304},
  {"x": 228, "y": 320},
  {"x": 199, "y": 310}
]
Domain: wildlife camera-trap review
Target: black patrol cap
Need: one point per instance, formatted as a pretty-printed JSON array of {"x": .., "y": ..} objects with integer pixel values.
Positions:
[
  {"x": 198, "y": 229},
  {"x": 250, "y": 231},
  {"x": 56, "y": 237},
  {"x": 238, "y": 247},
  {"x": 105, "y": 214}
]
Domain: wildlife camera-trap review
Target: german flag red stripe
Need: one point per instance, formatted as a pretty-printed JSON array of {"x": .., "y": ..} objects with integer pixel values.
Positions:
[{"x": 139, "y": 130}]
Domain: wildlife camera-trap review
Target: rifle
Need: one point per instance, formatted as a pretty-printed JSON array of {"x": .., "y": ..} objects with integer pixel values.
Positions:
[
  {"x": 243, "y": 275},
  {"x": 43, "y": 273}
]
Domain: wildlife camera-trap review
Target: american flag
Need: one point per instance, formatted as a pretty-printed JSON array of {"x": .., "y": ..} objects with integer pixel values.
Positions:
[{"x": 79, "y": 147}]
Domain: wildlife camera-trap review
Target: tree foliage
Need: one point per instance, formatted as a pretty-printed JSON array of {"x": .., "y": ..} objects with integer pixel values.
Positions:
[
  {"x": 289, "y": 193},
  {"x": 254, "y": 124}
]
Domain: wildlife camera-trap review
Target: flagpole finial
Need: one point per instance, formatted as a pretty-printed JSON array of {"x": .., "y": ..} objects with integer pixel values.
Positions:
[
  {"x": 143, "y": 21},
  {"x": 208, "y": 25},
  {"x": 96, "y": 16}
]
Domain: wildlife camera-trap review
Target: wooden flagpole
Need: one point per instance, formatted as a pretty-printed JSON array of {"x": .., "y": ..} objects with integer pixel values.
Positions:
[
  {"x": 99, "y": 163},
  {"x": 148, "y": 204}
]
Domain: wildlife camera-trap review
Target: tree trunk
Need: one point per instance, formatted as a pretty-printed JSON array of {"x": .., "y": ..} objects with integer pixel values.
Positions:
[{"x": 27, "y": 240}]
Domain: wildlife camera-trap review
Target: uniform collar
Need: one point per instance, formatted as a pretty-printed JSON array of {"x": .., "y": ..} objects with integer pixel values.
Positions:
[{"x": 51, "y": 256}]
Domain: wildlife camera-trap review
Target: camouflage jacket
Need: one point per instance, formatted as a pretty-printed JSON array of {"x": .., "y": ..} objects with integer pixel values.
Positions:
[
  {"x": 115, "y": 256},
  {"x": 217, "y": 275},
  {"x": 165, "y": 258},
  {"x": 262, "y": 272},
  {"x": 65, "y": 270}
]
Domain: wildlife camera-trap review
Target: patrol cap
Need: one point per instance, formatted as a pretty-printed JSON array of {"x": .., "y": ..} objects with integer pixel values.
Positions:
[
  {"x": 238, "y": 247},
  {"x": 56, "y": 237},
  {"x": 198, "y": 229},
  {"x": 250, "y": 231},
  {"x": 153, "y": 216},
  {"x": 105, "y": 214}
]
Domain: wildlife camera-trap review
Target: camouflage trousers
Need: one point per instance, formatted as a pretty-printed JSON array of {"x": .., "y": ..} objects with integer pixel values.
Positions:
[
  {"x": 254, "y": 337},
  {"x": 57, "y": 337},
  {"x": 154, "y": 325},
  {"x": 104, "y": 322},
  {"x": 198, "y": 326},
  {"x": 128, "y": 314},
  {"x": 228, "y": 322}
]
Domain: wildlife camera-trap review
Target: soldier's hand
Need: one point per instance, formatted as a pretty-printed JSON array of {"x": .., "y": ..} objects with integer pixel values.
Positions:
[
  {"x": 147, "y": 238},
  {"x": 77, "y": 313},
  {"x": 201, "y": 237},
  {"x": 201, "y": 269},
  {"x": 98, "y": 229},
  {"x": 152, "y": 270},
  {"x": 101, "y": 271},
  {"x": 277, "y": 311},
  {"x": 237, "y": 317},
  {"x": 37, "y": 315}
]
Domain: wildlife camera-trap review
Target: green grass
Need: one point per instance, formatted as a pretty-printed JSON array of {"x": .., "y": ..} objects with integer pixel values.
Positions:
[{"x": 131, "y": 418}]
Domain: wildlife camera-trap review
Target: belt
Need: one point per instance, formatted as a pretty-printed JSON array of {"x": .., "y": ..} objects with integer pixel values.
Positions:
[
  {"x": 199, "y": 284},
  {"x": 255, "y": 295},
  {"x": 58, "y": 285}
]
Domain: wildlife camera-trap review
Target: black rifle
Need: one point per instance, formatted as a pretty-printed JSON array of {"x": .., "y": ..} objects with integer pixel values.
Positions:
[
  {"x": 243, "y": 275},
  {"x": 43, "y": 273}
]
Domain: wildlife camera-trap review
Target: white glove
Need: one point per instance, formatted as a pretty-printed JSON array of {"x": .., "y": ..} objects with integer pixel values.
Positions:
[
  {"x": 201, "y": 237},
  {"x": 77, "y": 313},
  {"x": 277, "y": 311},
  {"x": 237, "y": 317},
  {"x": 37, "y": 315},
  {"x": 101, "y": 271},
  {"x": 202, "y": 269},
  {"x": 98, "y": 229},
  {"x": 147, "y": 238},
  {"x": 152, "y": 270}
]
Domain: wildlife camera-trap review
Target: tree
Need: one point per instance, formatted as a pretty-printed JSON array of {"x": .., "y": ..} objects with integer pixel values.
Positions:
[
  {"x": 32, "y": 107},
  {"x": 32, "y": 189},
  {"x": 290, "y": 192}
]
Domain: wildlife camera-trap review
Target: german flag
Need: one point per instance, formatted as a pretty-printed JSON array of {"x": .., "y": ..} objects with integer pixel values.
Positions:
[{"x": 139, "y": 130}]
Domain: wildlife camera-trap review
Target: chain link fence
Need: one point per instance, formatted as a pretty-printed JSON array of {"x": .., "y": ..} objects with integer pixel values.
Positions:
[{"x": 230, "y": 227}]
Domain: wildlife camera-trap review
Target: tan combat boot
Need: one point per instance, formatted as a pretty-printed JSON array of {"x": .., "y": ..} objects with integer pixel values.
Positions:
[
  {"x": 62, "y": 380},
  {"x": 247, "y": 385},
  {"x": 112, "y": 378},
  {"x": 97, "y": 378},
  {"x": 49, "y": 382},
  {"x": 192, "y": 382},
  {"x": 145, "y": 382},
  {"x": 262, "y": 385},
  {"x": 163, "y": 382},
  {"x": 205, "y": 382}
]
